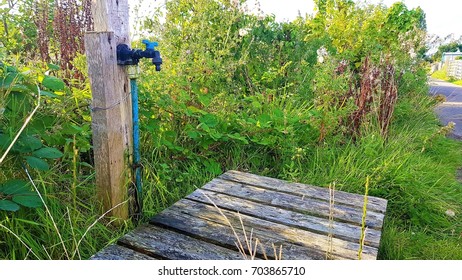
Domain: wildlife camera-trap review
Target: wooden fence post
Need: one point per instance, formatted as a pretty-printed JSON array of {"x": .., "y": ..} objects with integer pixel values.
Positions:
[{"x": 111, "y": 105}]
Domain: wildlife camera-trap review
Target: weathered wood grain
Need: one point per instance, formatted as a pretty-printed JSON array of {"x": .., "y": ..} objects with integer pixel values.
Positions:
[
  {"x": 286, "y": 201},
  {"x": 116, "y": 252},
  {"x": 111, "y": 104},
  {"x": 222, "y": 235},
  {"x": 297, "y": 244},
  {"x": 112, "y": 15},
  {"x": 303, "y": 190},
  {"x": 166, "y": 244},
  {"x": 205, "y": 224},
  {"x": 109, "y": 134},
  {"x": 284, "y": 217}
]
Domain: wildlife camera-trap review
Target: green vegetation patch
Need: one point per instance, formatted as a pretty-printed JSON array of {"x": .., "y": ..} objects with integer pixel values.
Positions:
[{"x": 336, "y": 98}]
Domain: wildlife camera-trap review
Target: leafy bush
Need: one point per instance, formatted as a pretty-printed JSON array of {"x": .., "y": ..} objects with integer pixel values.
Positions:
[{"x": 333, "y": 98}]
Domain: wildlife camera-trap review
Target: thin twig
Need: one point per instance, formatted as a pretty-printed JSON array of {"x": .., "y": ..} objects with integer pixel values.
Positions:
[
  {"x": 20, "y": 240},
  {"x": 47, "y": 211},
  {"x": 46, "y": 251},
  {"x": 238, "y": 240},
  {"x": 263, "y": 251},
  {"x": 363, "y": 221},
  {"x": 72, "y": 230},
  {"x": 94, "y": 223},
  {"x": 249, "y": 247},
  {"x": 330, "y": 248},
  {"x": 22, "y": 128}
]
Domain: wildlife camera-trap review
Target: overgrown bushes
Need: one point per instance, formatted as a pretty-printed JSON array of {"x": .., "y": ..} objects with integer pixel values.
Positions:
[{"x": 241, "y": 91}]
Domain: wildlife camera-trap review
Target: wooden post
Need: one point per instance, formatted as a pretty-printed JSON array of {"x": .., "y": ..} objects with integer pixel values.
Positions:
[{"x": 111, "y": 106}]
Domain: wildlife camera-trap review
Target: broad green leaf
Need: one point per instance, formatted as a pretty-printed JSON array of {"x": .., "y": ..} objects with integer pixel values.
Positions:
[
  {"x": 196, "y": 110},
  {"x": 215, "y": 134},
  {"x": 9, "y": 80},
  {"x": 71, "y": 129},
  {"x": 53, "y": 66},
  {"x": 8, "y": 205},
  {"x": 33, "y": 142},
  {"x": 210, "y": 120},
  {"x": 237, "y": 136},
  {"x": 37, "y": 163},
  {"x": 53, "y": 83},
  {"x": 213, "y": 167},
  {"x": 20, "y": 88},
  {"x": 193, "y": 134},
  {"x": 27, "y": 144},
  {"x": 12, "y": 187},
  {"x": 48, "y": 93},
  {"x": 264, "y": 120},
  {"x": 278, "y": 114},
  {"x": 205, "y": 99},
  {"x": 47, "y": 152},
  {"x": 31, "y": 200},
  {"x": 4, "y": 141}
]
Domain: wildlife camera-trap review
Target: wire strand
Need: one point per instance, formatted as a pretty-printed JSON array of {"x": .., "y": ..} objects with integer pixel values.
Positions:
[{"x": 97, "y": 109}]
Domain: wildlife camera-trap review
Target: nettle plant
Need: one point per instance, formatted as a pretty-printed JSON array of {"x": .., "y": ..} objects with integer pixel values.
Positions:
[{"x": 20, "y": 94}]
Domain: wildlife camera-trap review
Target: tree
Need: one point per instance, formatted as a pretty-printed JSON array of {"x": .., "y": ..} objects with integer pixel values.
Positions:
[
  {"x": 450, "y": 47},
  {"x": 18, "y": 33}
]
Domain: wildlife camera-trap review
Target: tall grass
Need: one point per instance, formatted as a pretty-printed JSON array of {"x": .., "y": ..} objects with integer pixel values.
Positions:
[{"x": 69, "y": 226}]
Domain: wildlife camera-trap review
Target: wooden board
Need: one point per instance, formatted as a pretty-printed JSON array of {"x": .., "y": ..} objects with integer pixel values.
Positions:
[
  {"x": 292, "y": 202},
  {"x": 237, "y": 209},
  {"x": 165, "y": 244},
  {"x": 116, "y": 252},
  {"x": 302, "y": 190},
  {"x": 205, "y": 221},
  {"x": 291, "y": 219}
]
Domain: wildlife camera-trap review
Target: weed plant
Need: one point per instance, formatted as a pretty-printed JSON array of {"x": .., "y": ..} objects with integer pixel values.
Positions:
[{"x": 239, "y": 91}]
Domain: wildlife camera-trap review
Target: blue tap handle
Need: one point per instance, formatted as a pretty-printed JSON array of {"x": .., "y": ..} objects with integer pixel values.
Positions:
[{"x": 150, "y": 45}]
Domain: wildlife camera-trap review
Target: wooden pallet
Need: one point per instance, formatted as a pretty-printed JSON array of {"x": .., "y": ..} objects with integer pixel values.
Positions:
[{"x": 294, "y": 220}]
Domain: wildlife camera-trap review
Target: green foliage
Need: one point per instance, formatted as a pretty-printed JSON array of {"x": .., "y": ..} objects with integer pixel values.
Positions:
[
  {"x": 14, "y": 193},
  {"x": 443, "y": 75},
  {"x": 357, "y": 31},
  {"x": 18, "y": 33},
  {"x": 263, "y": 103},
  {"x": 450, "y": 47},
  {"x": 239, "y": 91},
  {"x": 20, "y": 92}
]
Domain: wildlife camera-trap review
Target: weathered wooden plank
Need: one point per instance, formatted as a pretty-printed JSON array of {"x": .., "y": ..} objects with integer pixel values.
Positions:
[
  {"x": 197, "y": 218},
  {"x": 222, "y": 235},
  {"x": 340, "y": 230},
  {"x": 284, "y": 217},
  {"x": 116, "y": 252},
  {"x": 286, "y": 201},
  {"x": 166, "y": 244},
  {"x": 303, "y": 190}
]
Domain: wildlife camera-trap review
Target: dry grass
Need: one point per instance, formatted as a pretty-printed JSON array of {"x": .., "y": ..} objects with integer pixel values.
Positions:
[
  {"x": 248, "y": 248},
  {"x": 330, "y": 247},
  {"x": 363, "y": 221}
]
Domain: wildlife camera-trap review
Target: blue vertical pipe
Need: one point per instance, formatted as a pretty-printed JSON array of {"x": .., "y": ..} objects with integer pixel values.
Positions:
[{"x": 136, "y": 143}]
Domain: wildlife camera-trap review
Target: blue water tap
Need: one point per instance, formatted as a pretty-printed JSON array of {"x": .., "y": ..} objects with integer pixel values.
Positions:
[
  {"x": 127, "y": 56},
  {"x": 150, "y": 45}
]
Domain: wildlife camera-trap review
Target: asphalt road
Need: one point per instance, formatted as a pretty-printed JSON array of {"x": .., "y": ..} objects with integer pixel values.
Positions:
[{"x": 451, "y": 110}]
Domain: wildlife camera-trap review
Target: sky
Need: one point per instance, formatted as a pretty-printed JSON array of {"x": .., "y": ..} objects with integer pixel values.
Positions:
[{"x": 443, "y": 16}]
